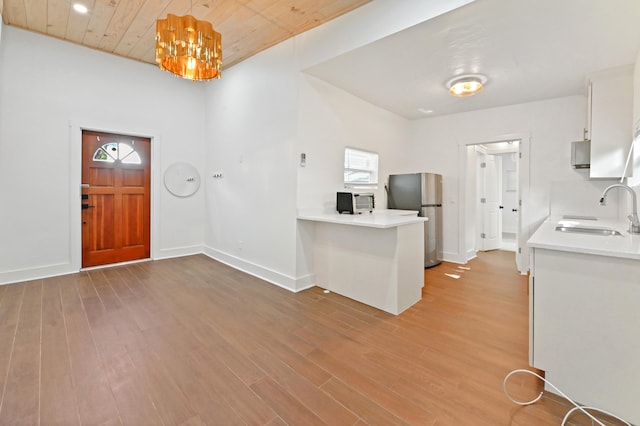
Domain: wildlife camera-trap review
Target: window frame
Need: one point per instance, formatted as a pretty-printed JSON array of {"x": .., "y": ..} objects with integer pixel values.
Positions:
[{"x": 372, "y": 169}]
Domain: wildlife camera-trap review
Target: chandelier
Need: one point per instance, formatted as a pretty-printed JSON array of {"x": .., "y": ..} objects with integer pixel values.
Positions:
[{"x": 188, "y": 48}]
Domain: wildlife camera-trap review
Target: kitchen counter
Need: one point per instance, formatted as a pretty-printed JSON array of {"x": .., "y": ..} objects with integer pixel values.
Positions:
[
  {"x": 376, "y": 259},
  {"x": 384, "y": 218},
  {"x": 625, "y": 246},
  {"x": 584, "y": 299}
]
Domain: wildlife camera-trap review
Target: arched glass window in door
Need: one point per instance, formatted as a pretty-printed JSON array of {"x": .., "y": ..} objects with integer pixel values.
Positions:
[{"x": 117, "y": 151}]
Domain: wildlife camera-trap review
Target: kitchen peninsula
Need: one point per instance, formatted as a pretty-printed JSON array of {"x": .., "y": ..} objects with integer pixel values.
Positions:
[{"x": 376, "y": 259}]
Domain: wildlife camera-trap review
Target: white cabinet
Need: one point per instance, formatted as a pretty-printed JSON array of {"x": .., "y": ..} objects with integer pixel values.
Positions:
[
  {"x": 585, "y": 323},
  {"x": 610, "y": 121}
]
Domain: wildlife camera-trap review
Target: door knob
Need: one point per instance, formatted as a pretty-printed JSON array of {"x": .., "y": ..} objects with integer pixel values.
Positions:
[
  {"x": 514, "y": 210},
  {"x": 501, "y": 207},
  {"x": 86, "y": 206}
]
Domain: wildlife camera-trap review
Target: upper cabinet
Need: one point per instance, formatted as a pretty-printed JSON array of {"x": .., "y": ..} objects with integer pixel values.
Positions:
[{"x": 610, "y": 121}]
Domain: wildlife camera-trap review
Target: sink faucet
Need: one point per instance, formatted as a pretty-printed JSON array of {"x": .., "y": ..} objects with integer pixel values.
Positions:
[{"x": 634, "y": 222}]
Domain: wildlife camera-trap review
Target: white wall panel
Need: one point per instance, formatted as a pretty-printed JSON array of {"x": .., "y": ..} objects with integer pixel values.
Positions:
[
  {"x": 552, "y": 124},
  {"x": 46, "y": 85}
]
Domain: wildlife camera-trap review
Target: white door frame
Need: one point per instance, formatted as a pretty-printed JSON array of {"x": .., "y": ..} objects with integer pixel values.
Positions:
[
  {"x": 75, "y": 179},
  {"x": 465, "y": 196}
]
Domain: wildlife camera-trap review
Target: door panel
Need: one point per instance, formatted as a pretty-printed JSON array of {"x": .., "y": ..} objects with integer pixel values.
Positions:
[
  {"x": 132, "y": 227},
  {"x": 99, "y": 223},
  {"x": 101, "y": 177},
  {"x": 491, "y": 186},
  {"x": 116, "y": 213},
  {"x": 133, "y": 178}
]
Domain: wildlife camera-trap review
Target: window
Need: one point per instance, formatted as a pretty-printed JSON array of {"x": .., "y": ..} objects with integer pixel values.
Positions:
[
  {"x": 360, "y": 168},
  {"x": 112, "y": 151}
]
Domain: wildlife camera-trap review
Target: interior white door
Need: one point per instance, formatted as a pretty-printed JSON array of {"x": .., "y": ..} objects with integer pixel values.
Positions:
[
  {"x": 519, "y": 243},
  {"x": 491, "y": 201}
]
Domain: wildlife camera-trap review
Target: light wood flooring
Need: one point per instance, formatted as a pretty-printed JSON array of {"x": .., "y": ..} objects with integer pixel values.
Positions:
[{"x": 189, "y": 341}]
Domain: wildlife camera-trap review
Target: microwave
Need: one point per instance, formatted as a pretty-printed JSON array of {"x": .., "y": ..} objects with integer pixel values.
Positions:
[{"x": 351, "y": 203}]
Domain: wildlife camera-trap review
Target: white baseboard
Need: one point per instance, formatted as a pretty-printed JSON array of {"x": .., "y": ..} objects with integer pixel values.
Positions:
[
  {"x": 38, "y": 273},
  {"x": 471, "y": 254},
  {"x": 178, "y": 252},
  {"x": 305, "y": 282},
  {"x": 281, "y": 280},
  {"x": 453, "y": 258},
  {"x": 269, "y": 275}
]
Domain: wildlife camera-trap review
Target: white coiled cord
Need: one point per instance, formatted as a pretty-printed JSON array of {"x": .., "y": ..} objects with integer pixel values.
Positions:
[{"x": 566, "y": 417}]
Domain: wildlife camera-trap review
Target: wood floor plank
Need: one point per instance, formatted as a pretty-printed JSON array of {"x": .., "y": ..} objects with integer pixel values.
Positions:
[
  {"x": 202, "y": 396},
  {"x": 296, "y": 361},
  {"x": 244, "y": 401},
  {"x": 289, "y": 408},
  {"x": 172, "y": 405},
  {"x": 86, "y": 288},
  {"x": 10, "y": 307},
  {"x": 377, "y": 392},
  {"x": 134, "y": 403},
  {"x": 95, "y": 400},
  {"x": 58, "y": 405},
  {"x": 21, "y": 404},
  {"x": 323, "y": 406},
  {"x": 369, "y": 411}
]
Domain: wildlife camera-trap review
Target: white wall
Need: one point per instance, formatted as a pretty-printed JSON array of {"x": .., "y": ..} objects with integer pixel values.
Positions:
[
  {"x": 552, "y": 125},
  {"x": 255, "y": 137},
  {"x": 252, "y": 126},
  {"x": 636, "y": 90},
  {"x": 46, "y": 85},
  {"x": 635, "y": 180},
  {"x": 331, "y": 119}
]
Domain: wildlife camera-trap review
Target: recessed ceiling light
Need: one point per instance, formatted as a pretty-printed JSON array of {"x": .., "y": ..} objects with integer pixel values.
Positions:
[
  {"x": 425, "y": 110},
  {"x": 466, "y": 85},
  {"x": 80, "y": 8}
]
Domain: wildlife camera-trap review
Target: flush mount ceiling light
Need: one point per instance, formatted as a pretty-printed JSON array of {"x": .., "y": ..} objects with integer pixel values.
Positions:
[
  {"x": 188, "y": 48},
  {"x": 466, "y": 85}
]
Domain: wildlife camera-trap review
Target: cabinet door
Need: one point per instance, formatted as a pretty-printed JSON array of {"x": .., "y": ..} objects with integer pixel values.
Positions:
[
  {"x": 586, "y": 324},
  {"x": 611, "y": 115}
]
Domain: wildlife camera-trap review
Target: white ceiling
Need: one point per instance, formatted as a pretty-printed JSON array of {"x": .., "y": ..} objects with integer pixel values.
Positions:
[{"x": 529, "y": 50}]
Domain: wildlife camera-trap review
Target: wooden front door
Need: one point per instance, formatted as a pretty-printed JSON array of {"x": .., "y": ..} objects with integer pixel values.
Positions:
[{"x": 116, "y": 189}]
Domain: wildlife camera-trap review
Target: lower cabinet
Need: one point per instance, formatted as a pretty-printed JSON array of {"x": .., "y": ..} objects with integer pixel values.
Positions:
[{"x": 585, "y": 327}]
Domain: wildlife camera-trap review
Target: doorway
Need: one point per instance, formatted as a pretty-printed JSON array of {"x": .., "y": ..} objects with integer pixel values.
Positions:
[
  {"x": 497, "y": 196},
  {"x": 115, "y": 200},
  {"x": 505, "y": 151}
]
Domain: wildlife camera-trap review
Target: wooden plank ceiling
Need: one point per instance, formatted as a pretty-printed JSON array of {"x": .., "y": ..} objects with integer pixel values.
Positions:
[{"x": 127, "y": 27}]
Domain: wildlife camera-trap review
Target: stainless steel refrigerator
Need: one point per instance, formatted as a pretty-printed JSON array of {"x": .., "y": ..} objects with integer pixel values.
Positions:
[{"x": 421, "y": 192}]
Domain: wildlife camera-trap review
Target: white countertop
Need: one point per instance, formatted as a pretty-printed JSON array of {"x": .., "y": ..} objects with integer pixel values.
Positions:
[
  {"x": 383, "y": 218},
  {"x": 626, "y": 246}
]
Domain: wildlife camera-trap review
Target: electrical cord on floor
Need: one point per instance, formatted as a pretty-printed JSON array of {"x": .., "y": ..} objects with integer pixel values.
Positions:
[{"x": 566, "y": 417}]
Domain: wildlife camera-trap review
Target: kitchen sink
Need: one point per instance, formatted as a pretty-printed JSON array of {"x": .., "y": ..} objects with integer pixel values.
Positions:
[{"x": 608, "y": 232}]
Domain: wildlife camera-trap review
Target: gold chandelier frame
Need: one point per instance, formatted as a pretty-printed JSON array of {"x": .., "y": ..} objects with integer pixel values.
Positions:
[{"x": 188, "y": 48}]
